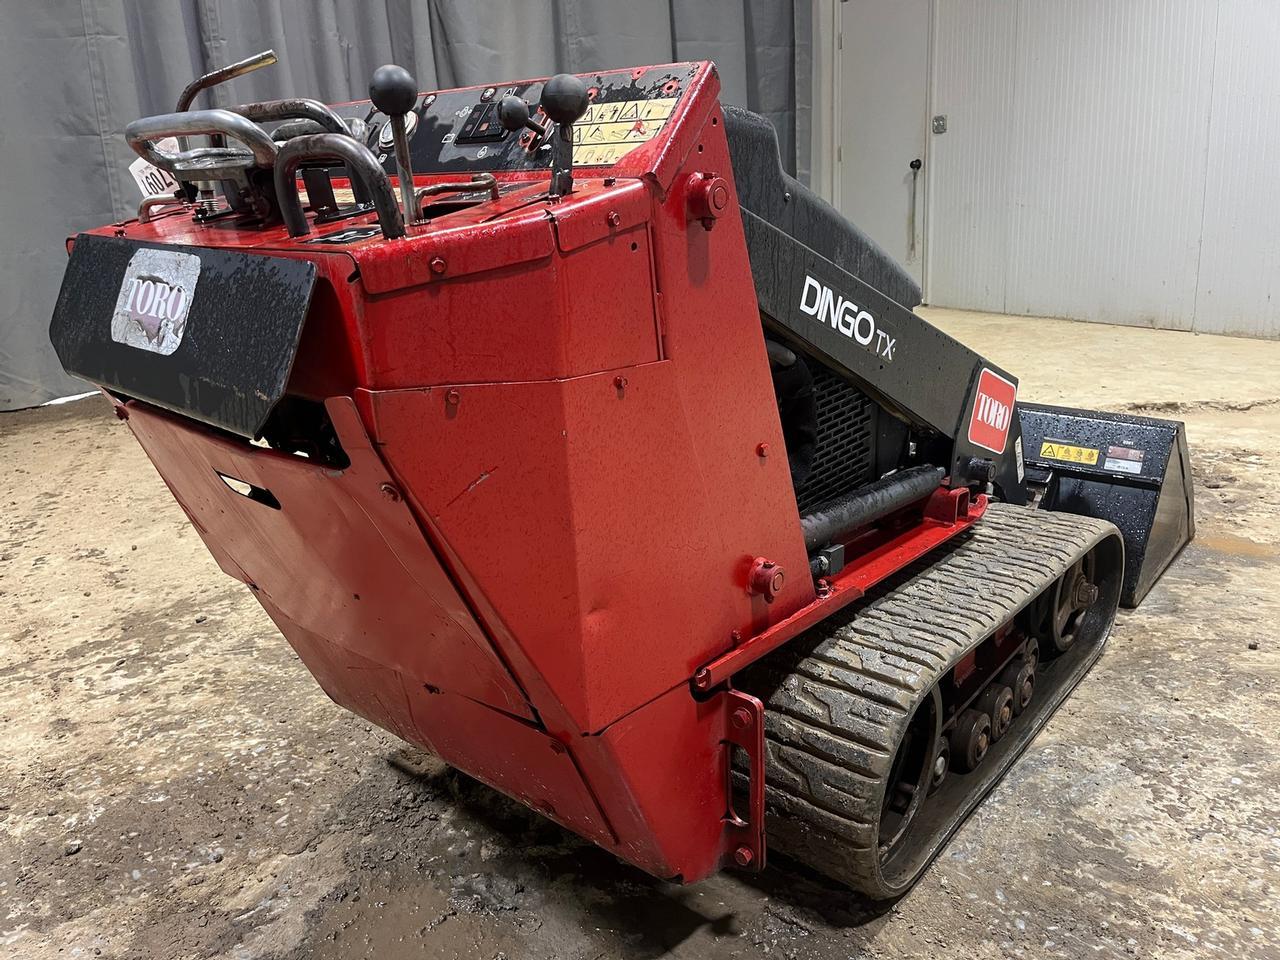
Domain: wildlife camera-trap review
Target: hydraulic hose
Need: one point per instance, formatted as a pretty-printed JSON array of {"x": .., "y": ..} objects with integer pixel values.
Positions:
[{"x": 872, "y": 502}]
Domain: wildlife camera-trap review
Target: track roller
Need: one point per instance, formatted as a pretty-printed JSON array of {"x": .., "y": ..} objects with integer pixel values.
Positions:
[
  {"x": 972, "y": 736},
  {"x": 1020, "y": 677},
  {"x": 941, "y": 765},
  {"x": 997, "y": 703}
]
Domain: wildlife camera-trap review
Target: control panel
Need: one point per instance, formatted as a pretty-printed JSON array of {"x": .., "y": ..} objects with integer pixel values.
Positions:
[{"x": 460, "y": 131}]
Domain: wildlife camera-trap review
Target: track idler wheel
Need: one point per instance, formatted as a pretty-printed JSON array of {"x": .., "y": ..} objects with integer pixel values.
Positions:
[
  {"x": 971, "y": 739},
  {"x": 1020, "y": 677},
  {"x": 997, "y": 703},
  {"x": 1056, "y": 614}
]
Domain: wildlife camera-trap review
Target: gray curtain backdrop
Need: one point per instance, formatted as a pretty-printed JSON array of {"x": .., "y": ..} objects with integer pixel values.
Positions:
[{"x": 74, "y": 72}]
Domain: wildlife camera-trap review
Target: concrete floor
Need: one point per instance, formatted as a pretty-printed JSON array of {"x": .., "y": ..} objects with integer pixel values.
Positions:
[{"x": 174, "y": 785}]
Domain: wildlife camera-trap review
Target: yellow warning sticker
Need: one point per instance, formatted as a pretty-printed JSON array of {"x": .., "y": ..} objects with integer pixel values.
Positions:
[
  {"x": 1057, "y": 450},
  {"x": 609, "y": 131}
]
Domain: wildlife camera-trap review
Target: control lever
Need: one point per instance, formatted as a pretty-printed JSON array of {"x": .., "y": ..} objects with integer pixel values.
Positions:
[
  {"x": 394, "y": 92},
  {"x": 564, "y": 100},
  {"x": 513, "y": 114}
]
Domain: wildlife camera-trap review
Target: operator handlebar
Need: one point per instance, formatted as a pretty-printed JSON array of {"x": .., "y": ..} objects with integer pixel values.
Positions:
[
  {"x": 293, "y": 108},
  {"x": 202, "y": 162},
  {"x": 361, "y": 165}
]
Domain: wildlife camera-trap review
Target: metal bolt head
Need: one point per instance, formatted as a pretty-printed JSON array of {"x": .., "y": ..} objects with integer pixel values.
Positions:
[
  {"x": 452, "y": 398},
  {"x": 1086, "y": 593},
  {"x": 438, "y": 266},
  {"x": 620, "y": 382},
  {"x": 762, "y": 451},
  {"x": 613, "y": 218},
  {"x": 390, "y": 492},
  {"x": 741, "y": 718},
  {"x": 744, "y": 856}
]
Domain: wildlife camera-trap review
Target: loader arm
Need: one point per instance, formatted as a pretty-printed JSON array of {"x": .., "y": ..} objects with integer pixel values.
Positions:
[{"x": 830, "y": 291}]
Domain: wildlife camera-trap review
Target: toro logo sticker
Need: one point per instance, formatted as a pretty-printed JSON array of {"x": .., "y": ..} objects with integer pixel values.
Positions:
[
  {"x": 992, "y": 411},
  {"x": 155, "y": 297}
]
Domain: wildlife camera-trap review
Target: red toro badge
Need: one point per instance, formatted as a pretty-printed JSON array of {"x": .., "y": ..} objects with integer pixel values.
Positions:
[{"x": 992, "y": 411}]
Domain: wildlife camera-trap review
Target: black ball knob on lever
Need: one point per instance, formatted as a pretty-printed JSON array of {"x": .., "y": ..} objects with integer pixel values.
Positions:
[
  {"x": 394, "y": 92},
  {"x": 513, "y": 114},
  {"x": 564, "y": 100}
]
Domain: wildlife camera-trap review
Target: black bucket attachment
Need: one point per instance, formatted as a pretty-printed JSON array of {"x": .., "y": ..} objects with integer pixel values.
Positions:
[
  {"x": 1133, "y": 471},
  {"x": 210, "y": 334}
]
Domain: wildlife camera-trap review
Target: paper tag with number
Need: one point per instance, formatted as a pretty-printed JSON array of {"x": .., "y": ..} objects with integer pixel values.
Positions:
[{"x": 150, "y": 178}]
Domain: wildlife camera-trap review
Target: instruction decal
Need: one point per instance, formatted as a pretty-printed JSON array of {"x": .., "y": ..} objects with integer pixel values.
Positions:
[{"x": 1123, "y": 460}]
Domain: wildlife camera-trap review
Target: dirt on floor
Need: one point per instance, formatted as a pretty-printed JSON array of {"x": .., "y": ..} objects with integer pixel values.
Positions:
[{"x": 174, "y": 785}]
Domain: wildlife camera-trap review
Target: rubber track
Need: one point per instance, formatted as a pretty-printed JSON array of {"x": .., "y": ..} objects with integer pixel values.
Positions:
[{"x": 838, "y": 700}]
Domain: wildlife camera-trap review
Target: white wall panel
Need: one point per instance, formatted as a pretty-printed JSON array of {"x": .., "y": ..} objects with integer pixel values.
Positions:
[
  {"x": 1239, "y": 290},
  {"x": 967, "y": 240},
  {"x": 1109, "y": 160}
]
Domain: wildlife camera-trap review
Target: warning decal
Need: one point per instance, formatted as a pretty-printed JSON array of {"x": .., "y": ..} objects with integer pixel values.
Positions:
[
  {"x": 609, "y": 131},
  {"x": 1057, "y": 450}
]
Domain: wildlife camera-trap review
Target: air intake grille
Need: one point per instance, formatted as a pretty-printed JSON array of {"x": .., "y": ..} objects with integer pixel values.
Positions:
[{"x": 842, "y": 461}]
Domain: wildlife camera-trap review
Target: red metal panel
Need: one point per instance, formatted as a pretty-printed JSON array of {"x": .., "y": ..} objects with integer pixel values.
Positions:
[
  {"x": 507, "y": 754},
  {"x": 342, "y": 556},
  {"x": 616, "y": 566},
  {"x": 561, "y": 317}
]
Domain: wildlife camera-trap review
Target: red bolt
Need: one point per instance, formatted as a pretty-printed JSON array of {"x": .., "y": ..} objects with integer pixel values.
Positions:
[
  {"x": 438, "y": 265},
  {"x": 620, "y": 382},
  {"x": 613, "y": 218},
  {"x": 390, "y": 492},
  {"x": 452, "y": 398},
  {"x": 741, "y": 718},
  {"x": 736, "y": 636},
  {"x": 743, "y": 856},
  {"x": 762, "y": 451},
  {"x": 702, "y": 678}
]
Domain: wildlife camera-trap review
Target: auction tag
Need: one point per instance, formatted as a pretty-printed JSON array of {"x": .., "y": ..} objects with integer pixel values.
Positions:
[{"x": 150, "y": 179}]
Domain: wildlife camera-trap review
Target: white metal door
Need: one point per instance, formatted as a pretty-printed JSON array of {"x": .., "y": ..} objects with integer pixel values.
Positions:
[{"x": 881, "y": 108}]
